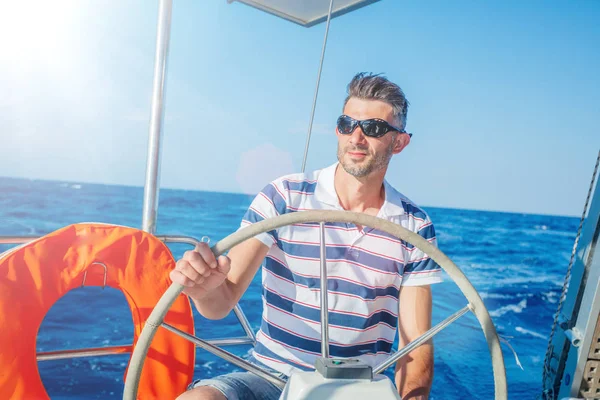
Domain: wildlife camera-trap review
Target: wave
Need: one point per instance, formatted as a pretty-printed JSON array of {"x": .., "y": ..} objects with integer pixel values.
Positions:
[
  {"x": 28, "y": 229},
  {"x": 551, "y": 297},
  {"x": 532, "y": 333},
  {"x": 516, "y": 308},
  {"x": 486, "y": 295},
  {"x": 526, "y": 280},
  {"x": 206, "y": 366}
]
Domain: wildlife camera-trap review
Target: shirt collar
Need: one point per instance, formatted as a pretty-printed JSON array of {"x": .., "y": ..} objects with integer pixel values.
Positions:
[
  {"x": 325, "y": 190},
  {"x": 325, "y": 193},
  {"x": 392, "y": 205}
]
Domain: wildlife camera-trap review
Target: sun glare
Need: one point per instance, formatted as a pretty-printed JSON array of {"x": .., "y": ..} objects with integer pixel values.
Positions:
[{"x": 36, "y": 32}]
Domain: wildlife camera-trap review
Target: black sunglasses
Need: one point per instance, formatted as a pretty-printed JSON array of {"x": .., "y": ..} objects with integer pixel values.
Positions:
[{"x": 373, "y": 127}]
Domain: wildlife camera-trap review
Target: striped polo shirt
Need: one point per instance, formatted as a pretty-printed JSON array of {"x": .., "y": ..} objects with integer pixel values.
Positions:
[{"x": 365, "y": 269}]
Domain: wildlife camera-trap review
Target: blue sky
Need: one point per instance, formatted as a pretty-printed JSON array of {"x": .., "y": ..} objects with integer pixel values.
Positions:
[{"x": 505, "y": 96}]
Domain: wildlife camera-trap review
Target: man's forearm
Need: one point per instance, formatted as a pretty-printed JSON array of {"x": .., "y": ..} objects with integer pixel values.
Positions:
[
  {"x": 414, "y": 374},
  {"x": 216, "y": 304}
]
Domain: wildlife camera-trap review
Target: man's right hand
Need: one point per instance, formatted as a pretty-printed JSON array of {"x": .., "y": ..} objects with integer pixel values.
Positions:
[{"x": 200, "y": 272}]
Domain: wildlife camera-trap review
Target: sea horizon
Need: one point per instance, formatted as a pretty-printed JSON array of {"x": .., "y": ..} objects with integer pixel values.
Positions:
[{"x": 251, "y": 195}]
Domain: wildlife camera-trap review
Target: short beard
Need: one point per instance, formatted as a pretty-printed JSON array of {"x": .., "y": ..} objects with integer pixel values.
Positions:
[{"x": 372, "y": 164}]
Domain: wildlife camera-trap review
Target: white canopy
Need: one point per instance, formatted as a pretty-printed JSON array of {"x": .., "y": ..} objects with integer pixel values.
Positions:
[{"x": 305, "y": 12}]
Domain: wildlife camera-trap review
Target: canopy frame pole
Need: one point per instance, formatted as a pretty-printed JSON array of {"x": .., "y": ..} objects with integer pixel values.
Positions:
[{"x": 152, "y": 184}]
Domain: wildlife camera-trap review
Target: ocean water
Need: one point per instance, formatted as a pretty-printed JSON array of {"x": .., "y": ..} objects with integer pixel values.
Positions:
[{"x": 516, "y": 261}]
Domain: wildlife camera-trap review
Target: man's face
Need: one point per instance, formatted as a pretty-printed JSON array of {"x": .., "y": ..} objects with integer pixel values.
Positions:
[{"x": 361, "y": 155}]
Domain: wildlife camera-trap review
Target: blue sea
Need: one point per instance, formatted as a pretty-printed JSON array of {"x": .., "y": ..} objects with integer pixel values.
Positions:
[{"x": 517, "y": 262}]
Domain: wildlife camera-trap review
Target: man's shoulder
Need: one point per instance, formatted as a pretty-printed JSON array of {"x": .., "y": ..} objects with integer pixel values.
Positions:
[
  {"x": 411, "y": 209},
  {"x": 298, "y": 182},
  {"x": 297, "y": 177}
]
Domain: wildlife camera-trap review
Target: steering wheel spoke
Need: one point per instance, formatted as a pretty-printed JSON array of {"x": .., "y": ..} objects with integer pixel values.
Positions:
[
  {"x": 421, "y": 339},
  {"x": 227, "y": 356},
  {"x": 324, "y": 301}
]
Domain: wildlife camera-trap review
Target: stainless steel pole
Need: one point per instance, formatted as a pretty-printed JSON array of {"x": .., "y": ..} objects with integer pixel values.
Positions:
[{"x": 151, "y": 187}]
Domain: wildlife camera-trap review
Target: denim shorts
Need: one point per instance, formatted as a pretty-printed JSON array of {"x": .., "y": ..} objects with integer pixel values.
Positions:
[{"x": 243, "y": 385}]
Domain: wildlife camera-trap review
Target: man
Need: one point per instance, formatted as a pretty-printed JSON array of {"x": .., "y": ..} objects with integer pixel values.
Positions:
[{"x": 370, "y": 273}]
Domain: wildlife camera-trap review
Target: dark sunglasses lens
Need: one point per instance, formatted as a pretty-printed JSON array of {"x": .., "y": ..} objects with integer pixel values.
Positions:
[
  {"x": 374, "y": 128},
  {"x": 345, "y": 125}
]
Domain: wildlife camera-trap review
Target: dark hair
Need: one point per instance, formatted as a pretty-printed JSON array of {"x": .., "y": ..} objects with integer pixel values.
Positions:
[{"x": 370, "y": 86}]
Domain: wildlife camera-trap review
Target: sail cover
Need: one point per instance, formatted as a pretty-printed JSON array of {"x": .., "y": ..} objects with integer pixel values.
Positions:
[{"x": 305, "y": 12}]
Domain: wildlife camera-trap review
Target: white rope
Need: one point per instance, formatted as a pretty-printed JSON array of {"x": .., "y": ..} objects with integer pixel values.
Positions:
[
  {"x": 506, "y": 342},
  {"x": 314, "y": 105}
]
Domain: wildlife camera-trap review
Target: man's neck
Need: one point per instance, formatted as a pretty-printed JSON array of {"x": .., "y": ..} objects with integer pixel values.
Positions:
[{"x": 364, "y": 194}]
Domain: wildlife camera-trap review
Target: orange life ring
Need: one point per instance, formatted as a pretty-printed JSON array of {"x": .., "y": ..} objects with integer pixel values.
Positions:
[{"x": 34, "y": 276}]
